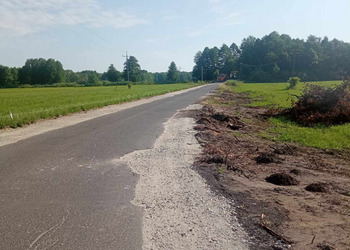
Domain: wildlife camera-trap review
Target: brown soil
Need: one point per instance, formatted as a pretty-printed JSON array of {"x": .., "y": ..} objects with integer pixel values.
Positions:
[{"x": 309, "y": 208}]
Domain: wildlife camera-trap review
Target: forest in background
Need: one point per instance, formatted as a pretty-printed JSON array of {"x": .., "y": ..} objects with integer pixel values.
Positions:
[
  {"x": 272, "y": 58},
  {"x": 42, "y": 72},
  {"x": 276, "y": 58}
]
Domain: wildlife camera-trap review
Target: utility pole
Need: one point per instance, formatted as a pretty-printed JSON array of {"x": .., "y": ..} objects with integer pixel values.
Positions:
[
  {"x": 202, "y": 73},
  {"x": 127, "y": 65}
]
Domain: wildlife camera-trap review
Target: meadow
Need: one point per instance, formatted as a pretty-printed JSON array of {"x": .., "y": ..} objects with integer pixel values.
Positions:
[
  {"x": 277, "y": 95},
  {"x": 27, "y": 105}
]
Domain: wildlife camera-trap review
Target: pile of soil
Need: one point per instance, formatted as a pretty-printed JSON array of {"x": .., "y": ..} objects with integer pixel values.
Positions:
[
  {"x": 317, "y": 187},
  {"x": 282, "y": 179},
  {"x": 238, "y": 163},
  {"x": 266, "y": 158}
]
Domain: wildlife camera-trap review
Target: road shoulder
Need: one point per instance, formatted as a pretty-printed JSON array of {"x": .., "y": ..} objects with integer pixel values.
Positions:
[{"x": 179, "y": 209}]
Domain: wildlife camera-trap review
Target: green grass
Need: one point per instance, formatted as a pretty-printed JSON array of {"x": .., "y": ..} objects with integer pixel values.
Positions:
[
  {"x": 281, "y": 129},
  {"x": 28, "y": 105},
  {"x": 274, "y": 94},
  {"x": 333, "y": 137}
]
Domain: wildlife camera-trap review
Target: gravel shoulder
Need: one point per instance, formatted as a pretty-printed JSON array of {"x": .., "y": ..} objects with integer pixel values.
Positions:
[{"x": 179, "y": 209}]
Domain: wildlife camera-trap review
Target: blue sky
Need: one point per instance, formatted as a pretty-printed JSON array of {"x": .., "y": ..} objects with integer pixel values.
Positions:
[{"x": 92, "y": 34}]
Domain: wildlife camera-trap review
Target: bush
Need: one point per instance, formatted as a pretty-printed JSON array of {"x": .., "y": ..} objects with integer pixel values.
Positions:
[
  {"x": 26, "y": 86},
  {"x": 66, "y": 84},
  {"x": 322, "y": 105},
  {"x": 293, "y": 82}
]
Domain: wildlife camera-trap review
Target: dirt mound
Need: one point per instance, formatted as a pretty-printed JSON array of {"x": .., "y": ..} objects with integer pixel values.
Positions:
[
  {"x": 282, "y": 179},
  {"x": 295, "y": 171},
  {"x": 284, "y": 149},
  {"x": 266, "y": 158},
  {"x": 324, "y": 246},
  {"x": 318, "y": 187},
  {"x": 234, "y": 126},
  {"x": 215, "y": 159},
  {"x": 220, "y": 117},
  {"x": 216, "y": 121}
]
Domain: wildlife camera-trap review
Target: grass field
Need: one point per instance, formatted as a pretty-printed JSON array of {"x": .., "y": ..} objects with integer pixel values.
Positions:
[
  {"x": 28, "y": 105},
  {"x": 277, "y": 95}
]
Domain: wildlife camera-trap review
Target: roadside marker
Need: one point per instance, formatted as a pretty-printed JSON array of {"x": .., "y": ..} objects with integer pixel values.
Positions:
[{"x": 11, "y": 115}]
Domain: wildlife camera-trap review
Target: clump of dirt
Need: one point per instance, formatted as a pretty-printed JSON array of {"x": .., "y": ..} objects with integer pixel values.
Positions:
[
  {"x": 266, "y": 158},
  {"x": 215, "y": 159},
  {"x": 325, "y": 246},
  {"x": 282, "y": 179},
  {"x": 284, "y": 149},
  {"x": 295, "y": 171},
  {"x": 318, "y": 187},
  {"x": 233, "y": 150},
  {"x": 220, "y": 117}
]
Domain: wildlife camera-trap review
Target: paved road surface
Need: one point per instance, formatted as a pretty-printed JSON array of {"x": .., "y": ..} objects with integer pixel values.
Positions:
[{"x": 60, "y": 190}]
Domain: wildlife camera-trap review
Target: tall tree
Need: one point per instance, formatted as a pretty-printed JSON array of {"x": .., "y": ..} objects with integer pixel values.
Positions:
[
  {"x": 226, "y": 62},
  {"x": 132, "y": 69},
  {"x": 41, "y": 71},
  {"x": 8, "y": 77},
  {"x": 173, "y": 73},
  {"x": 113, "y": 74}
]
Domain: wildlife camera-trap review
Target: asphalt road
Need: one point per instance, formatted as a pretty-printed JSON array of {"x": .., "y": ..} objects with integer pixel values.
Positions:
[{"x": 61, "y": 189}]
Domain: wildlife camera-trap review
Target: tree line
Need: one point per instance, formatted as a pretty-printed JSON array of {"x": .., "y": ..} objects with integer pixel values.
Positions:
[
  {"x": 48, "y": 72},
  {"x": 275, "y": 58}
]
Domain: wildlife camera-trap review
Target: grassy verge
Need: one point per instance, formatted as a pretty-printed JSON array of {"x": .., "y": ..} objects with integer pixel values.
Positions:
[
  {"x": 274, "y": 94},
  {"x": 281, "y": 129},
  {"x": 28, "y": 105}
]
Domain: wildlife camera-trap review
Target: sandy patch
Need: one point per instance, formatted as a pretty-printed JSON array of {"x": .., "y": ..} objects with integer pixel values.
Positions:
[{"x": 179, "y": 210}]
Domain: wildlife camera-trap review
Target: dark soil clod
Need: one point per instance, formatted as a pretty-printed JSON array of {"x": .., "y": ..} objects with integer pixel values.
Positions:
[
  {"x": 215, "y": 159},
  {"x": 295, "y": 171},
  {"x": 234, "y": 126},
  {"x": 282, "y": 179},
  {"x": 325, "y": 247},
  {"x": 265, "y": 158},
  {"x": 220, "y": 117},
  {"x": 203, "y": 121},
  {"x": 318, "y": 187}
]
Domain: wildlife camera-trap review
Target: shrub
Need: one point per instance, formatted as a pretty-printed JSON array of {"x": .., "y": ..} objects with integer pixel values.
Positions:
[
  {"x": 26, "y": 86},
  {"x": 293, "y": 82},
  {"x": 66, "y": 84},
  {"x": 322, "y": 105}
]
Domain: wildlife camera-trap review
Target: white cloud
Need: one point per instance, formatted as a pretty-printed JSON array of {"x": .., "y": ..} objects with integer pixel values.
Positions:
[{"x": 19, "y": 17}]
